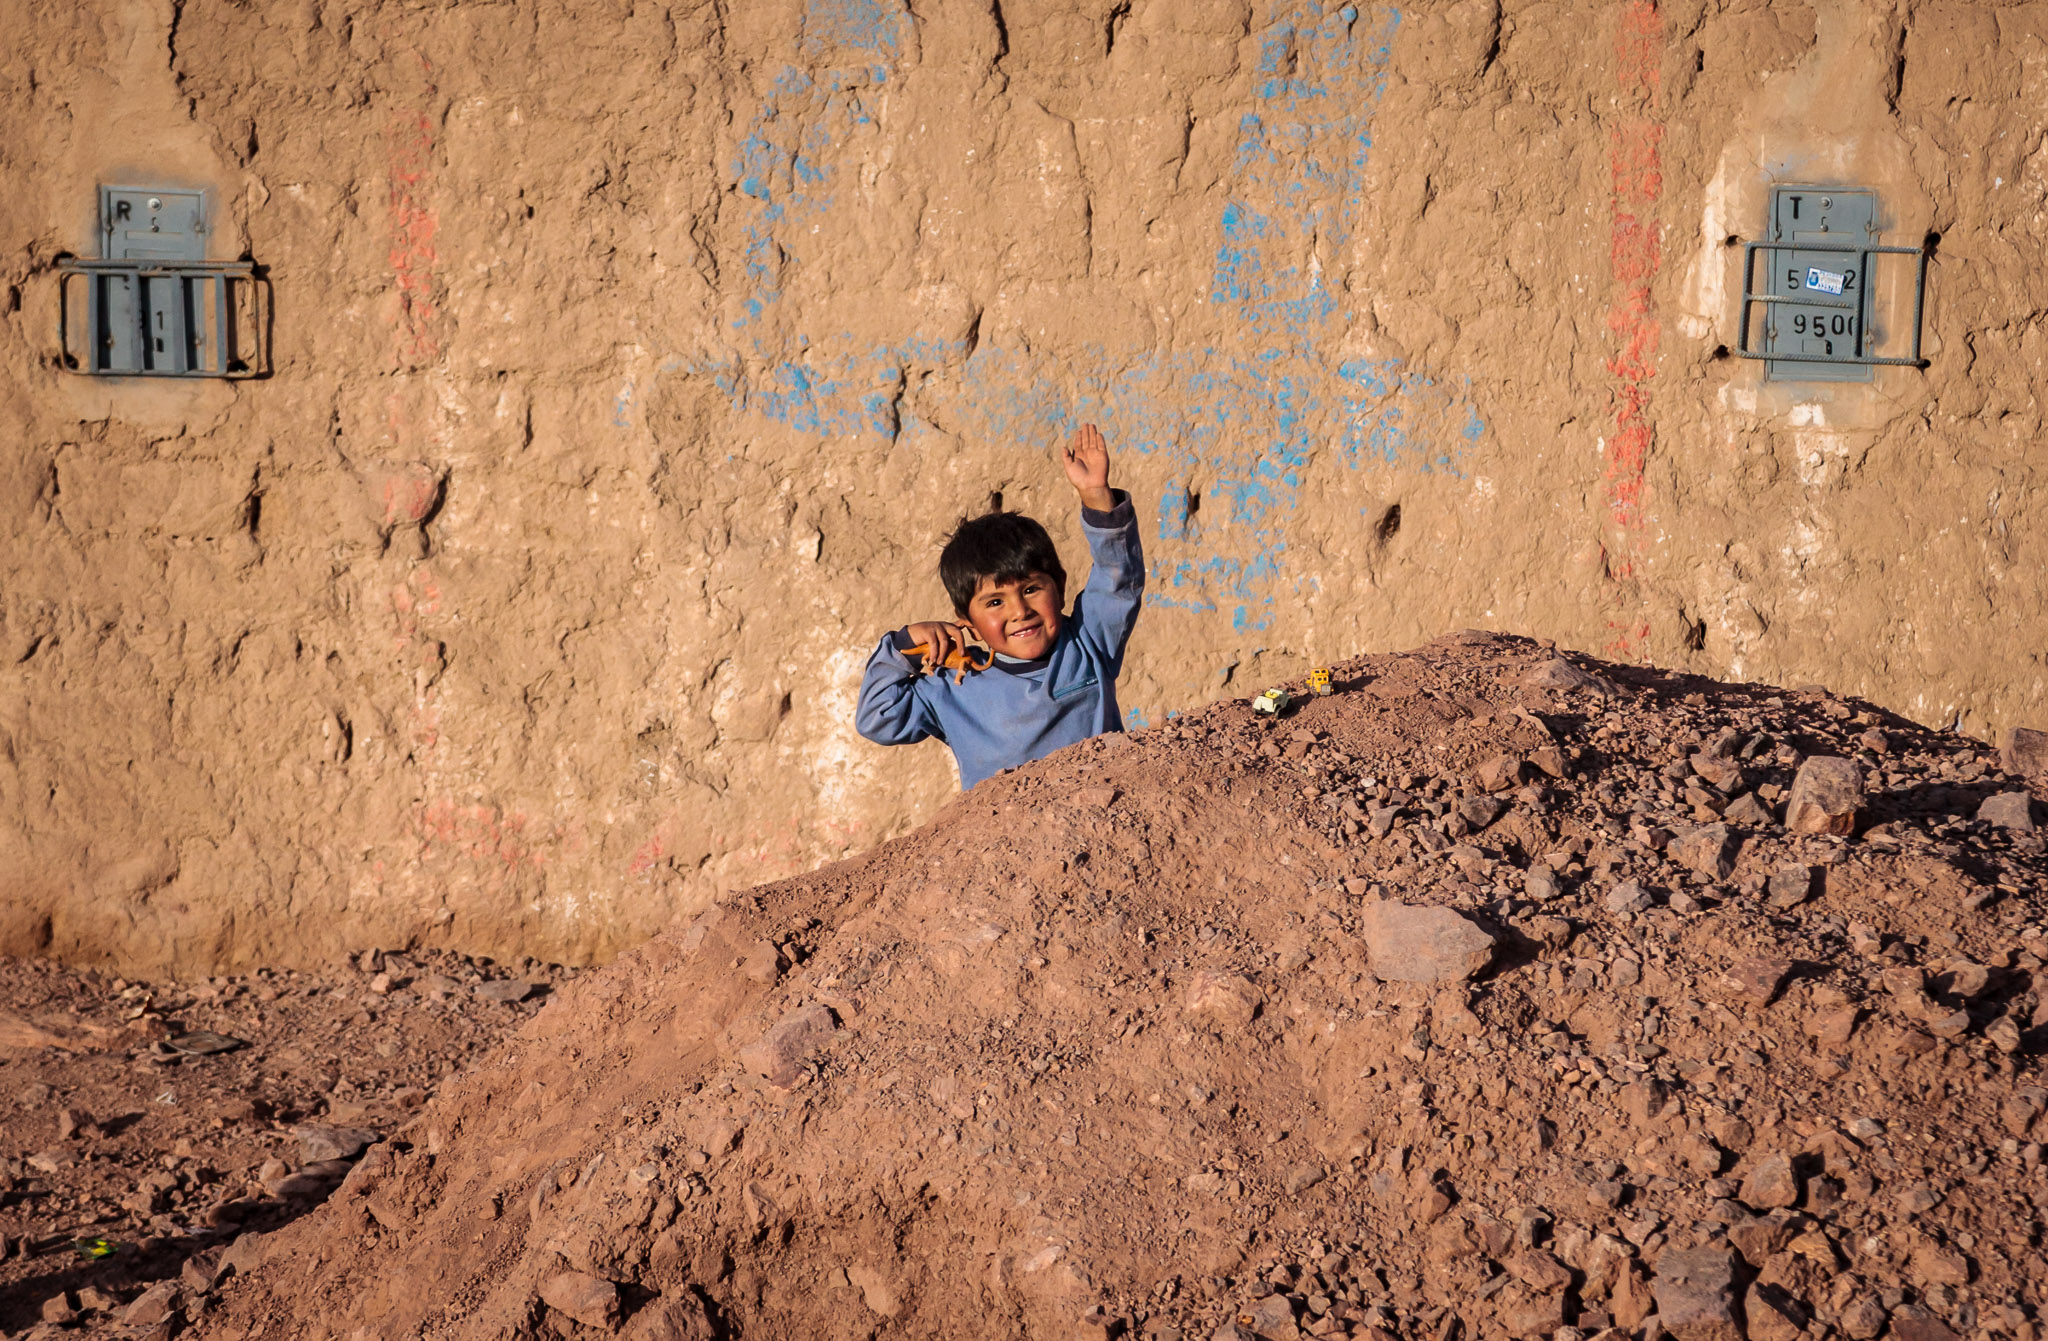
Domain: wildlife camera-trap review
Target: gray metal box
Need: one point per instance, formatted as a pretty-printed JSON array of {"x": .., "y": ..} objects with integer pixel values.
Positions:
[
  {"x": 150, "y": 223},
  {"x": 1836, "y": 217}
]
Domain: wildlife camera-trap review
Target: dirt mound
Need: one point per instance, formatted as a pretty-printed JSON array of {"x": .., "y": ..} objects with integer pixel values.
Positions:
[{"x": 1487, "y": 994}]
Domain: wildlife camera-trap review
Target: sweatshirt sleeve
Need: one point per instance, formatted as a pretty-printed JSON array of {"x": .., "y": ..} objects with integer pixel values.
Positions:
[
  {"x": 891, "y": 710},
  {"x": 1108, "y": 607}
]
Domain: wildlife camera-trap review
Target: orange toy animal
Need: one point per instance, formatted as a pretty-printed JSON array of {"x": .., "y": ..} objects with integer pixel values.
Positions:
[{"x": 960, "y": 661}]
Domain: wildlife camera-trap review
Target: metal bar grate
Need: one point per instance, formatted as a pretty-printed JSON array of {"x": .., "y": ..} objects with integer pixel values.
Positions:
[
  {"x": 1751, "y": 297},
  {"x": 149, "y": 318}
]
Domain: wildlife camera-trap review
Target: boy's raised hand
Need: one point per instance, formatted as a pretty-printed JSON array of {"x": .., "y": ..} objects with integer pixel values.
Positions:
[
  {"x": 941, "y": 638},
  {"x": 1086, "y": 459}
]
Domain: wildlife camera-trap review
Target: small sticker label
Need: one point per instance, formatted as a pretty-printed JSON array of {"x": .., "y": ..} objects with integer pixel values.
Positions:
[{"x": 1827, "y": 281}]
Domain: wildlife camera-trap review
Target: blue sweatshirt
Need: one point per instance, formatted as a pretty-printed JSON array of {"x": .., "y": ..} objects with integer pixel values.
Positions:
[{"x": 1017, "y": 711}]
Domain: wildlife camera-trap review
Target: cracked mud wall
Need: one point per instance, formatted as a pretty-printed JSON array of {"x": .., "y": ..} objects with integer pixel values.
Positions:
[{"x": 631, "y": 359}]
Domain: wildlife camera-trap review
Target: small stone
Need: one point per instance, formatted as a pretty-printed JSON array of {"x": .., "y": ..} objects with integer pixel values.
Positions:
[
  {"x": 1790, "y": 885},
  {"x": 1422, "y": 944},
  {"x": 381, "y": 984},
  {"x": 1225, "y": 997},
  {"x": 1538, "y": 1270},
  {"x": 74, "y": 1122},
  {"x": 1861, "y": 1318},
  {"x": 1757, "y": 1237},
  {"x": 1695, "y": 1292},
  {"x": 504, "y": 991},
  {"x": 778, "y": 1055},
  {"x": 1913, "y": 1322},
  {"x": 1722, "y": 771},
  {"x": 201, "y": 1270},
  {"x": 586, "y": 1299},
  {"x": 1302, "y": 1177},
  {"x": 1480, "y": 811},
  {"x": 1771, "y": 1184},
  {"x": 1937, "y": 1264},
  {"x": 1628, "y": 897},
  {"x": 1758, "y": 978},
  {"x": 1825, "y": 795},
  {"x": 1527, "y": 1313},
  {"x": 92, "y": 1299},
  {"x": 1558, "y": 673},
  {"x": 60, "y": 1309},
  {"x": 54, "y": 1160},
  {"x": 1540, "y": 884},
  {"x": 1747, "y": 809},
  {"x": 1708, "y": 849},
  {"x": 2004, "y": 1034},
  {"x": 2024, "y": 753},
  {"x": 673, "y": 1317},
  {"x": 2008, "y": 810},
  {"x": 318, "y": 1143},
  {"x": 1772, "y": 1314},
  {"x": 1271, "y": 1319},
  {"x": 155, "y": 1305},
  {"x": 1550, "y": 759},
  {"x": 1501, "y": 773}
]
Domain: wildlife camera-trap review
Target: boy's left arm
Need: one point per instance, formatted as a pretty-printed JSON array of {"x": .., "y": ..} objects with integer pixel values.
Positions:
[{"x": 1107, "y": 608}]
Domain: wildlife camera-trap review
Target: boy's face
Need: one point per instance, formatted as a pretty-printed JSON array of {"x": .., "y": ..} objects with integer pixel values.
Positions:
[{"x": 1019, "y": 619}]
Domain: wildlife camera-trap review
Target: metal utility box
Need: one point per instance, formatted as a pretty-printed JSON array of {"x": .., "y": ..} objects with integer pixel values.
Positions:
[
  {"x": 1820, "y": 316},
  {"x": 152, "y": 224},
  {"x": 154, "y": 305}
]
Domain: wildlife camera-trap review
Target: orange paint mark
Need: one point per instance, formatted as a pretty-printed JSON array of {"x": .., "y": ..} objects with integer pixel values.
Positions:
[
  {"x": 413, "y": 223},
  {"x": 1635, "y": 256}
]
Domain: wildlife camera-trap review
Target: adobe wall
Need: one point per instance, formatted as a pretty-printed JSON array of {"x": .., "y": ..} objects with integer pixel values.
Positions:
[{"x": 631, "y": 359}]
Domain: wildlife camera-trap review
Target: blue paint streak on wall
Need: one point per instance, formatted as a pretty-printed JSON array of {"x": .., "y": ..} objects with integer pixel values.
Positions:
[{"x": 1244, "y": 423}]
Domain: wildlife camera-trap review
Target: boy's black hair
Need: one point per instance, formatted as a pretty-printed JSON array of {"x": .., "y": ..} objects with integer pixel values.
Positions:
[{"x": 1000, "y": 546}]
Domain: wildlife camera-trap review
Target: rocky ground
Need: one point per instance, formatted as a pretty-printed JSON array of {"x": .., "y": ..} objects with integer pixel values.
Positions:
[
  {"x": 1497, "y": 995},
  {"x": 146, "y": 1126}
]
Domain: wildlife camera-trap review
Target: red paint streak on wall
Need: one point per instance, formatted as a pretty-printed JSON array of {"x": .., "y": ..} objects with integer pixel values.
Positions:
[
  {"x": 410, "y": 143},
  {"x": 1635, "y": 255}
]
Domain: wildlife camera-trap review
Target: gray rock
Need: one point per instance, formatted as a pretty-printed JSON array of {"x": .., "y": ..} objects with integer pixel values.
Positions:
[
  {"x": 1825, "y": 795},
  {"x": 779, "y": 1054},
  {"x": 1628, "y": 897},
  {"x": 1408, "y": 944},
  {"x": 505, "y": 991},
  {"x": 1913, "y": 1322},
  {"x": 317, "y": 1143},
  {"x": 1557, "y": 673},
  {"x": 1540, "y": 884},
  {"x": 1722, "y": 772},
  {"x": 1789, "y": 886},
  {"x": 673, "y": 1317},
  {"x": 1302, "y": 1177},
  {"x": 1772, "y": 1184},
  {"x": 1708, "y": 849},
  {"x": 155, "y": 1305},
  {"x": 2008, "y": 810},
  {"x": 1748, "y": 809},
  {"x": 587, "y": 1299},
  {"x": 1695, "y": 1293},
  {"x": 1272, "y": 1319},
  {"x": 2024, "y": 753},
  {"x": 1480, "y": 811}
]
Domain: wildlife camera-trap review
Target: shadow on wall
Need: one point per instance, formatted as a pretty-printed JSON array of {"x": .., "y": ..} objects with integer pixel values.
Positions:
[{"x": 1240, "y": 421}]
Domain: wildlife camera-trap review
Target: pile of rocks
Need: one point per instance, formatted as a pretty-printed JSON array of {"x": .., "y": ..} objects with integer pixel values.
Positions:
[{"x": 1496, "y": 995}]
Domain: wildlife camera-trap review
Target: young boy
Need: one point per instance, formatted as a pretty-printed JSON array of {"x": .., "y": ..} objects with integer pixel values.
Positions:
[{"x": 1053, "y": 678}]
